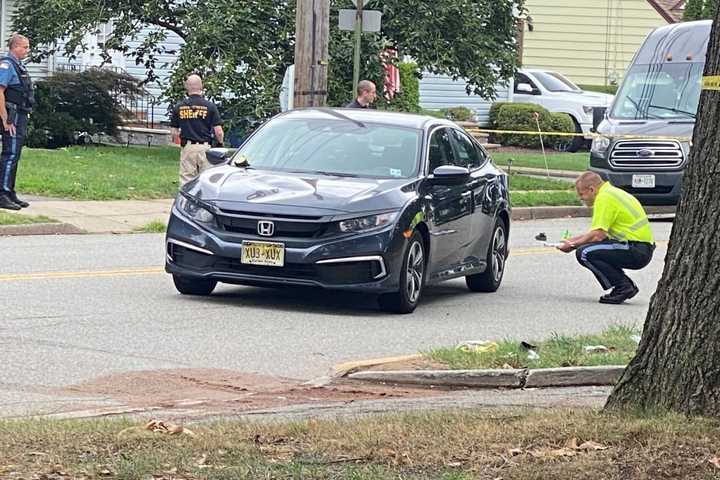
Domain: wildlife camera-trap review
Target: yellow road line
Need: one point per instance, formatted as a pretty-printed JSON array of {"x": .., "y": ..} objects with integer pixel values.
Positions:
[
  {"x": 156, "y": 270},
  {"x": 81, "y": 274}
]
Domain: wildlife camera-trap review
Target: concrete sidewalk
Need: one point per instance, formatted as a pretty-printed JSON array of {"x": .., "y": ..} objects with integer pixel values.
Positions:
[{"x": 113, "y": 216}]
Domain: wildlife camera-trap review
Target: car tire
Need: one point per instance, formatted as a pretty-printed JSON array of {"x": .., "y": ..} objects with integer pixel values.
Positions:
[
  {"x": 576, "y": 143},
  {"x": 194, "y": 286},
  {"x": 490, "y": 279},
  {"x": 412, "y": 279}
]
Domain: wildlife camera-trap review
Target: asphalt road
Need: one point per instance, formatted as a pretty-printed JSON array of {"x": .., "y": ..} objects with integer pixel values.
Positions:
[{"x": 78, "y": 307}]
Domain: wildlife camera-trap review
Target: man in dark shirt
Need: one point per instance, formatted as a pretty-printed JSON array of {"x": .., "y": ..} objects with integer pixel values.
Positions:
[
  {"x": 195, "y": 121},
  {"x": 366, "y": 95}
]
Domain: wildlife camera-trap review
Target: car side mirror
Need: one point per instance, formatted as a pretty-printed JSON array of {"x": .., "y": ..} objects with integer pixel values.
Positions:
[
  {"x": 218, "y": 156},
  {"x": 524, "y": 88},
  {"x": 449, "y": 175}
]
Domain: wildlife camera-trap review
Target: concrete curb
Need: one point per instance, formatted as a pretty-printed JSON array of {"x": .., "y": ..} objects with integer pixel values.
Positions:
[
  {"x": 40, "y": 229},
  {"x": 544, "y": 213},
  {"x": 344, "y": 369},
  {"x": 506, "y": 378}
]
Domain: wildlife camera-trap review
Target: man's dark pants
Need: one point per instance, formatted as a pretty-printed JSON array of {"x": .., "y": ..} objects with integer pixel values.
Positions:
[
  {"x": 607, "y": 259},
  {"x": 10, "y": 156}
]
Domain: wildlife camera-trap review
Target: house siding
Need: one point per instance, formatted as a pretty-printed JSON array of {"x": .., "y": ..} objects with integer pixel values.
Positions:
[
  {"x": 439, "y": 91},
  {"x": 600, "y": 36}
]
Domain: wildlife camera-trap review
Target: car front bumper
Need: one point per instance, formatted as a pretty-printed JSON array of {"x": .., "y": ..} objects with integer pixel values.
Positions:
[{"x": 365, "y": 262}]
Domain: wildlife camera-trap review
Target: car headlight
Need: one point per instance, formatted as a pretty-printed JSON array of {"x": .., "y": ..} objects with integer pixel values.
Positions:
[
  {"x": 600, "y": 144},
  {"x": 193, "y": 210},
  {"x": 588, "y": 109},
  {"x": 366, "y": 223}
]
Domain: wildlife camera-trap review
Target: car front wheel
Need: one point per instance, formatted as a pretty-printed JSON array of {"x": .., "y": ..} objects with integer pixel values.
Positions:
[
  {"x": 412, "y": 279},
  {"x": 194, "y": 286},
  {"x": 490, "y": 279}
]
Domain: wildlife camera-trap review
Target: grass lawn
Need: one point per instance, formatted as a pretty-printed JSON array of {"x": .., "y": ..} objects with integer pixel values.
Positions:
[
  {"x": 20, "y": 219},
  {"x": 153, "y": 227},
  {"x": 458, "y": 445},
  {"x": 536, "y": 199},
  {"x": 524, "y": 182},
  {"x": 100, "y": 173},
  {"x": 556, "y": 161},
  {"x": 120, "y": 173},
  {"x": 557, "y": 351}
]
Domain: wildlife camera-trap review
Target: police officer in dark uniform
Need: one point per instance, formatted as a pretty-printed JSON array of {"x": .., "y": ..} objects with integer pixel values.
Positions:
[
  {"x": 366, "y": 95},
  {"x": 195, "y": 121},
  {"x": 16, "y": 102}
]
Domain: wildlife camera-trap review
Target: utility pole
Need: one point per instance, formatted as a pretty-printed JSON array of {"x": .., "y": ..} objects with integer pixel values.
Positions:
[
  {"x": 312, "y": 31},
  {"x": 358, "y": 44}
]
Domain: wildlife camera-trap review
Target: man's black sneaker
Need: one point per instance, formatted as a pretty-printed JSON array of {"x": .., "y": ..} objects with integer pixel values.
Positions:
[
  {"x": 8, "y": 204},
  {"x": 15, "y": 199},
  {"x": 620, "y": 294}
]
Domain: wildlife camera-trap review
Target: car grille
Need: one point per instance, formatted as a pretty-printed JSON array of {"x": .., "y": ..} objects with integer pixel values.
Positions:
[
  {"x": 646, "y": 154},
  {"x": 292, "y": 228}
]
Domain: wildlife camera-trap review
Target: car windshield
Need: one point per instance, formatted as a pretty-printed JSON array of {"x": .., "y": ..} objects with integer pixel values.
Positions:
[
  {"x": 667, "y": 90},
  {"x": 334, "y": 147},
  {"x": 555, "y": 82}
]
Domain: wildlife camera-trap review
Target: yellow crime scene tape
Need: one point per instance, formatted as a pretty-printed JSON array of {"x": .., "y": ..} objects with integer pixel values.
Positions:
[
  {"x": 711, "y": 82},
  {"x": 575, "y": 134}
]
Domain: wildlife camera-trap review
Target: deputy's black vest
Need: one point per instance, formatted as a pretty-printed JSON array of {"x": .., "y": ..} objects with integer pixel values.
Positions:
[{"x": 21, "y": 94}]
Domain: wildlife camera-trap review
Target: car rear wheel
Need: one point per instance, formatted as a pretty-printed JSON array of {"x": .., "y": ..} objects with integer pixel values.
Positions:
[
  {"x": 490, "y": 279},
  {"x": 194, "y": 286},
  {"x": 412, "y": 279},
  {"x": 571, "y": 144}
]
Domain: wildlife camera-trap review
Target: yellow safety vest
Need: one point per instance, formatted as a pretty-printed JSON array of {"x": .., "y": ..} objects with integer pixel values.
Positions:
[{"x": 620, "y": 215}]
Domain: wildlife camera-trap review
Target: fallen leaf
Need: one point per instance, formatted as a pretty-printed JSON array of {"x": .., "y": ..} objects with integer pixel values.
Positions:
[
  {"x": 715, "y": 461},
  {"x": 454, "y": 464}
]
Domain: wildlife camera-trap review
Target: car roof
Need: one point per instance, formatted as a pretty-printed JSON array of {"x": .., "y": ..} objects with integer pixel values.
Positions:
[{"x": 399, "y": 119}]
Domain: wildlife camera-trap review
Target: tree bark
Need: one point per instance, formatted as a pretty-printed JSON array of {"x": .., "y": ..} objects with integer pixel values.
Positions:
[{"x": 677, "y": 366}]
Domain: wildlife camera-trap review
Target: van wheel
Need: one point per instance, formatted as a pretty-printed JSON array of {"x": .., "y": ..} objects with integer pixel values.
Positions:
[
  {"x": 194, "y": 286},
  {"x": 490, "y": 279},
  {"x": 412, "y": 279}
]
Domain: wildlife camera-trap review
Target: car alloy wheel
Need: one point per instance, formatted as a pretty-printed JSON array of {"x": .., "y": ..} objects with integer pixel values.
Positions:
[
  {"x": 490, "y": 279},
  {"x": 412, "y": 279},
  {"x": 415, "y": 269}
]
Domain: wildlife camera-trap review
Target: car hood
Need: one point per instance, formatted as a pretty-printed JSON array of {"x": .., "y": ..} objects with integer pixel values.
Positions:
[{"x": 265, "y": 191}]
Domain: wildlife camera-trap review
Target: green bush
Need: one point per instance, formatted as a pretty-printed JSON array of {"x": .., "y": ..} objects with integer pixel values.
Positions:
[
  {"x": 494, "y": 109},
  {"x": 408, "y": 99},
  {"x": 611, "y": 89},
  {"x": 459, "y": 114},
  {"x": 68, "y": 103},
  {"x": 520, "y": 116},
  {"x": 432, "y": 113}
]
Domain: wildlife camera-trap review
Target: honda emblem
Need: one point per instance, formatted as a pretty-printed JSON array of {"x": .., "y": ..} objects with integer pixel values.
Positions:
[{"x": 266, "y": 228}]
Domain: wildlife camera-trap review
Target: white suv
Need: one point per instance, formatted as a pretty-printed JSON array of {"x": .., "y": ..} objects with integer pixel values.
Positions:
[{"x": 558, "y": 94}]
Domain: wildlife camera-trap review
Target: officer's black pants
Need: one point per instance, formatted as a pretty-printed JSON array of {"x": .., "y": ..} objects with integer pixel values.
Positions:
[
  {"x": 11, "y": 150},
  {"x": 607, "y": 259}
]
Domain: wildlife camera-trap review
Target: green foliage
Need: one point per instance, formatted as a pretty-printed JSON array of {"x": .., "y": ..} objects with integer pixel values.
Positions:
[
  {"x": 611, "y": 89},
  {"x": 408, "y": 99},
  {"x": 72, "y": 102},
  {"x": 494, "y": 109},
  {"x": 459, "y": 114},
  {"x": 243, "y": 48},
  {"x": 521, "y": 116},
  {"x": 699, "y": 10},
  {"x": 710, "y": 8}
]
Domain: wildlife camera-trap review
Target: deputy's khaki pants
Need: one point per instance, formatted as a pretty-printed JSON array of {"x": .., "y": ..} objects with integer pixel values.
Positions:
[{"x": 192, "y": 161}]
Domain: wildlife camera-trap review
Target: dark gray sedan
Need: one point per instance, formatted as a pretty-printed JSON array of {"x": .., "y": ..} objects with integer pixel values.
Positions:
[{"x": 368, "y": 201}]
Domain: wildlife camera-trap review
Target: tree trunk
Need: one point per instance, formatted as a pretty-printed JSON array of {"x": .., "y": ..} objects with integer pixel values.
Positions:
[{"x": 677, "y": 366}]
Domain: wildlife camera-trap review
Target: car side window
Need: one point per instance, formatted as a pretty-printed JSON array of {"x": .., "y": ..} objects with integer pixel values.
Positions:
[
  {"x": 467, "y": 152},
  {"x": 441, "y": 150},
  {"x": 522, "y": 78}
]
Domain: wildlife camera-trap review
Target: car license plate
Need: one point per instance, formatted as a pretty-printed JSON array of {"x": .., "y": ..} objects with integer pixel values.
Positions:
[
  {"x": 263, "y": 253},
  {"x": 643, "y": 181}
]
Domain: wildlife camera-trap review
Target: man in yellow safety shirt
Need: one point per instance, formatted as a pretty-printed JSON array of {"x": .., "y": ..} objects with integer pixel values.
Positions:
[{"x": 619, "y": 237}]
